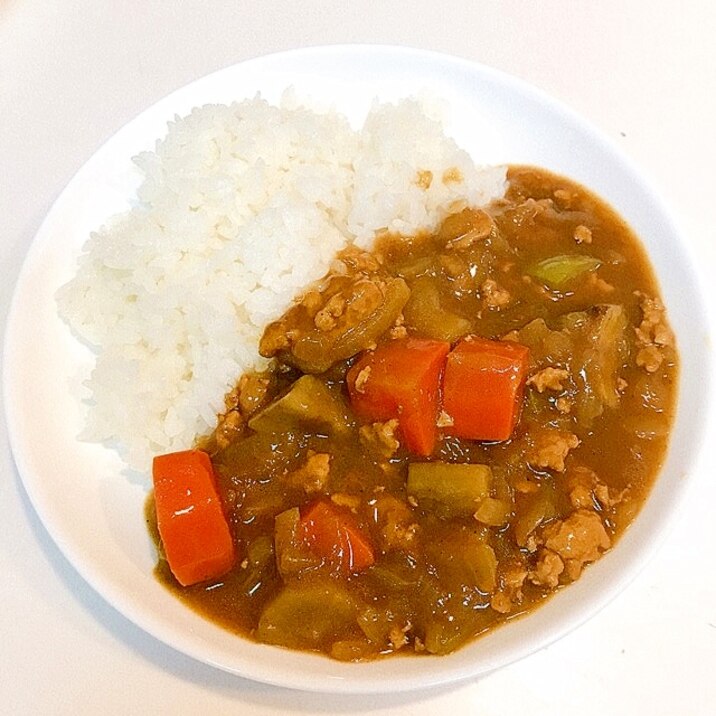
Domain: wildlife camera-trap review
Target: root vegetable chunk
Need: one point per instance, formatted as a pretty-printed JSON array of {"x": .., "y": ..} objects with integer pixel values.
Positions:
[
  {"x": 194, "y": 531},
  {"x": 483, "y": 387}
]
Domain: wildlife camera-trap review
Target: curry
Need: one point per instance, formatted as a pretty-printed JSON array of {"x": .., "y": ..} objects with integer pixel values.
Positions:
[{"x": 451, "y": 429}]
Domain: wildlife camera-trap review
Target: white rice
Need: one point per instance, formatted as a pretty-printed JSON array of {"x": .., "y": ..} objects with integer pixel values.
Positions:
[{"x": 241, "y": 208}]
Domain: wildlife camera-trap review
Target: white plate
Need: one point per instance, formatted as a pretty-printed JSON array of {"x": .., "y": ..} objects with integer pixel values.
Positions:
[{"x": 93, "y": 509}]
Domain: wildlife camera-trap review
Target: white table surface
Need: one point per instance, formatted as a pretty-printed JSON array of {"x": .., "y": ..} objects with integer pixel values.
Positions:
[{"x": 74, "y": 71}]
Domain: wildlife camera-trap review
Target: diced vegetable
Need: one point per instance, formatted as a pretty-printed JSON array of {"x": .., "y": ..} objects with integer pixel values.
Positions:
[
  {"x": 600, "y": 336},
  {"x": 293, "y": 555},
  {"x": 483, "y": 567},
  {"x": 266, "y": 454},
  {"x": 425, "y": 312},
  {"x": 443, "y": 636},
  {"x": 259, "y": 567},
  {"x": 308, "y": 402},
  {"x": 401, "y": 379},
  {"x": 538, "y": 507},
  {"x": 307, "y": 616},
  {"x": 457, "y": 488},
  {"x": 463, "y": 557},
  {"x": 194, "y": 531},
  {"x": 483, "y": 387},
  {"x": 317, "y": 351},
  {"x": 332, "y": 533},
  {"x": 493, "y": 512},
  {"x": 558, "y": 271}
]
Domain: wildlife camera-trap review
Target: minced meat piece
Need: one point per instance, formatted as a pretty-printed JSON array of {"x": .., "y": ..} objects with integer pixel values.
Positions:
[
  {"x": 509, "y": 592},
  {"x": 563, "y": 405},
  {"x": 650, "y": 358},
  {"x": 312, "y": 476},
  {"x": 549, "y": 379},
  {"x": 398, "y": 636},
  {"x": 444, "y": 420},
  {"x": 253, "y": 390},
  {"x": 550, "y": 448},
  {"x": 362, "y": 379},
  {"x": 396, "y": 520},
  {"x": 495, "y": 297},
  {"x": 381, "y": 437},
  {"x": 583, "y": 234},
  {"x": 579, "y": 539},
  {"x": 653, "y": 333},
  {"x": 547, "y": 570}
]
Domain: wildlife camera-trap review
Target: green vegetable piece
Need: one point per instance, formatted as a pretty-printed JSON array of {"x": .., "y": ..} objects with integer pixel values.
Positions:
[
  {"x": 424, "y": 312},
  {"x": 308, "y": 402},
  {"x": 539, "y": 508},
  {"x": 483, "y": 565},
  {"x": 292, "y": 553},
  {"x": 308, "y": 616},
  {"x": 558, "y": 271},
  {"x": 493, "y": 512},
  {"x": 317, "y": 351},
  {"x": 455, "y": 489},
  {"x": 601, "y": 348},
  {"x": 443, "y": 637}
]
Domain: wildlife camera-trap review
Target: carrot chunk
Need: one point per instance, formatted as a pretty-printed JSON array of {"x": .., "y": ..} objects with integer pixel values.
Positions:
[
  {"x": 483, "y": 387},
  {"x": 333, "y": 533},
  {"x": 401, "y": 379},
  {"x": 191, "y": 521}
]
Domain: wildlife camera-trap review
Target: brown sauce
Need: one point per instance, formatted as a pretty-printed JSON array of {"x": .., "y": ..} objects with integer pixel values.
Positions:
[{"x": 592, "y": 432}]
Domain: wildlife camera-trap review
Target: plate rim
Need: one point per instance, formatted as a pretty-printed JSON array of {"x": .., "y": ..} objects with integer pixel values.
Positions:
[{"x": 36, "y": 246}]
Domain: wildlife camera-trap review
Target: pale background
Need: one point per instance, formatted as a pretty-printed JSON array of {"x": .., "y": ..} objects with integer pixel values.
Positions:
[{"x": 74, "y": 71}]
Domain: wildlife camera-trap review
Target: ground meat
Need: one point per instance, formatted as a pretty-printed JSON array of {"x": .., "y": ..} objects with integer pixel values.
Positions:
[
  {"x": 547, "y": 570},
  {"x": 362, "y": 379},
  {"x": 398, "y": 636},
  {"x": 229, "y": 427},
  {"x": 396, "y": 520},
  {"x": 494, "y": 296},
  {"x": 253, "y": 390},
  {"x": 274, "y": 339},
  {"x": 312, "y": 301},
  {"x": 399, "y": 330},
  {"x": 653, "y": 333},
  {"x": 359, "y": 260},
  {"x": 563, "y": 405},
  {"x": 599, "y": 284},
  {"x": 444, "y": 420},
  {"x": 587, "y": 491},
  {"x": 583, "y": 234},
  {"x": 312, "y": 476},
  {"x": 564, "y": 197},
  {"x": 381, "y": 437},
  {"x": 480, "y": 229},
  {"x": 549, "y": 379},
  {"x": 550, "y": 448},
  {"x": 324, "y": 321},
  {"x": 509, "y": 593},
  {"x": 579, "y": 539},
  {"x": 650, "y": 358}
]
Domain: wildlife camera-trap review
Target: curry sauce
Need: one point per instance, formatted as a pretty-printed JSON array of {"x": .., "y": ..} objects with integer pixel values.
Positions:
[{"x": 438, "y": 537}]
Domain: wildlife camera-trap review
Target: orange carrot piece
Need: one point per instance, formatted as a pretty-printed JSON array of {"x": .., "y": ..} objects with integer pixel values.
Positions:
[
  {"x": 401, "y": 379},
  {"x": 332, "y": 533},
  {"x": 191, "y": 521},
  {"x": 483, "y": 387}
]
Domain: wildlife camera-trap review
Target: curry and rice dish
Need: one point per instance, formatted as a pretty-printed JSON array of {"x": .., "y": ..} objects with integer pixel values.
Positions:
[
  {"x": 453, "y": 427},
  {"x": 391, "y": 399}
]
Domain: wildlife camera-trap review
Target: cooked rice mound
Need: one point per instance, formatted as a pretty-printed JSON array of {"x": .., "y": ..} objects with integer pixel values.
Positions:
[{"x": 241, "y": 208}]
